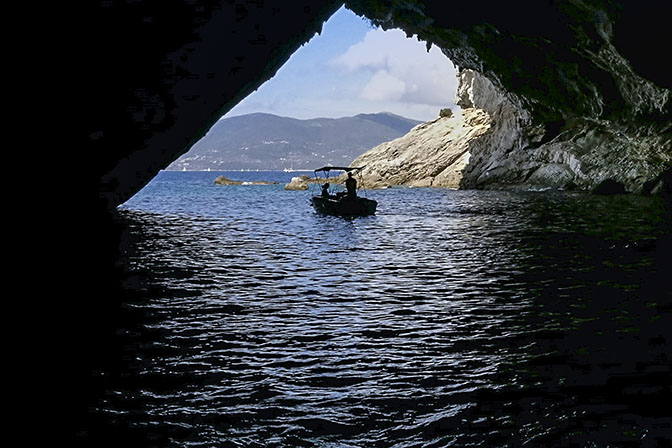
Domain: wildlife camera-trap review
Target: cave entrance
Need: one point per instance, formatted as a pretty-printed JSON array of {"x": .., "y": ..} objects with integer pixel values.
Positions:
[{"x": 352, "y": 67}]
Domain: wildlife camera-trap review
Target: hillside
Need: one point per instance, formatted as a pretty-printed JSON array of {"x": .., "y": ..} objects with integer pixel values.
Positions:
[{"x": 270, "y": 142}]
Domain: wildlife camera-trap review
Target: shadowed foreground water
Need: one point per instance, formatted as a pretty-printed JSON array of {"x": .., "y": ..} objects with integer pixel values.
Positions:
[{"x": 450, "y": 318}]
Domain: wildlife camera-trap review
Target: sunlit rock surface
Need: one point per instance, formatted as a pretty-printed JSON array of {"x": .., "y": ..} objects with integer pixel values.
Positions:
[
  {"x": 297, "y": 183},
  {"x": 579, "y": 152},
  {"x": 432, "y": 154},
  {"x": 496, "y": 144}
]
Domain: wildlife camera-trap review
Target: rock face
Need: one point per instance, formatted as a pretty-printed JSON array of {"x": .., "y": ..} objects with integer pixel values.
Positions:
[
  {"x": 579, "y": 152},
  {"x": 567, "y": 109},
  {"x": 433, "y": 154},
  {"x": 496, "y": 144}
]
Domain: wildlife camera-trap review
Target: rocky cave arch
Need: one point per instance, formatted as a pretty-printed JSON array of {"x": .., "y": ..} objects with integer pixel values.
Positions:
[
  {"x": 165, "y": 74},
  {"x": 154, "y": 76}
]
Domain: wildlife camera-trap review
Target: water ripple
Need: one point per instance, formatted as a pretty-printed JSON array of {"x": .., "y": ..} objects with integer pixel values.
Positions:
[{"x": 449, "y": 318}]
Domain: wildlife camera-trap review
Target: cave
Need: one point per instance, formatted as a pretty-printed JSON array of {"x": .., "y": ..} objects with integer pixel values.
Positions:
[
  {"x": 152, "y": 77},
  {"x": 164, "y": 75}
]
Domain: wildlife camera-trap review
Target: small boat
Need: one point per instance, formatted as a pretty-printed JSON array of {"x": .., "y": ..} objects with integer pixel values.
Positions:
[{"x": 341, "y": 203}]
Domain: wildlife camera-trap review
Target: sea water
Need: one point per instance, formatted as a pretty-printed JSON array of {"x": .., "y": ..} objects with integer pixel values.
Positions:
[{"x": 448, "y": 318}]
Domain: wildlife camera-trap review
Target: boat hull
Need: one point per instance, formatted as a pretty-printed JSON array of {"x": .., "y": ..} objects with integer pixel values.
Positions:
[{"x": 344, "y": 206}]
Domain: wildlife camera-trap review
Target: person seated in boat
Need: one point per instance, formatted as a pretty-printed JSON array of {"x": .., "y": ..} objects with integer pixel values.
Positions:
[
  {"x": 325, "y": 190},
  {"x": 351, "y": 185}
]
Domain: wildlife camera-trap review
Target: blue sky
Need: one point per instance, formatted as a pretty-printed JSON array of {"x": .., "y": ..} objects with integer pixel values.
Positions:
[{"x": 351, "y": 68}]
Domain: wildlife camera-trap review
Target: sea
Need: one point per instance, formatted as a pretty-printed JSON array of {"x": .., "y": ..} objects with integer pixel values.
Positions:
[{"x": 448, "y": 318}]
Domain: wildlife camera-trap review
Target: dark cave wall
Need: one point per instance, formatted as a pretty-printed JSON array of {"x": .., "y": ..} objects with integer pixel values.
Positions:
[{"x": 159, "y": 74}]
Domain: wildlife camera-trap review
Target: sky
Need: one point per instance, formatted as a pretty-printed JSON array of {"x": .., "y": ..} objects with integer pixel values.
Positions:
[{"x": 353, "y": 67}]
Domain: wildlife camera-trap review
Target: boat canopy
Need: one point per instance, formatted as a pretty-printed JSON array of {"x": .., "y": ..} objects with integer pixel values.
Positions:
[{"x": 339, "y": 168}]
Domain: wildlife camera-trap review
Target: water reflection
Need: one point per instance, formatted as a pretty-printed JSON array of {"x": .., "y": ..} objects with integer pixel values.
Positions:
[{"x": 448, "y": 318}]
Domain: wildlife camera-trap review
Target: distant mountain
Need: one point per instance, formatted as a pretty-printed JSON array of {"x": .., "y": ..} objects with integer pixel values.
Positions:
[{"x": 269, "y": 142}]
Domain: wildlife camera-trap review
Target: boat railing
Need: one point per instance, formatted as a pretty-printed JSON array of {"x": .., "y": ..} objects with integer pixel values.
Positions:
[{"x": 332, "y": 187}]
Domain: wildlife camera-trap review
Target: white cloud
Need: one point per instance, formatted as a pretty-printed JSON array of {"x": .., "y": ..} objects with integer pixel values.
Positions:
[
  {"x": 383, "y": 87},
  {"x": 366, "y": 54},
  {"x": 401, "y": 69}
]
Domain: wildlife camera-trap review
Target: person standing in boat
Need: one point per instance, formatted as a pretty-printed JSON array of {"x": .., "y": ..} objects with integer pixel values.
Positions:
[
  {"x": 325, "y": 190},
  {"x": 351, "y": 185}
]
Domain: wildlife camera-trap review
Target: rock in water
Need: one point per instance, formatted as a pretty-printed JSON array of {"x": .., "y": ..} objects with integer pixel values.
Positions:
[
  {"x": 223, "y": 180},
  {"x": 297, "y": 183}
]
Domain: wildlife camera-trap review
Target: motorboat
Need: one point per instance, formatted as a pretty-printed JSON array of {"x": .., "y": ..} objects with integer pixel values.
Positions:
[{"x": 341, "y": 203}]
